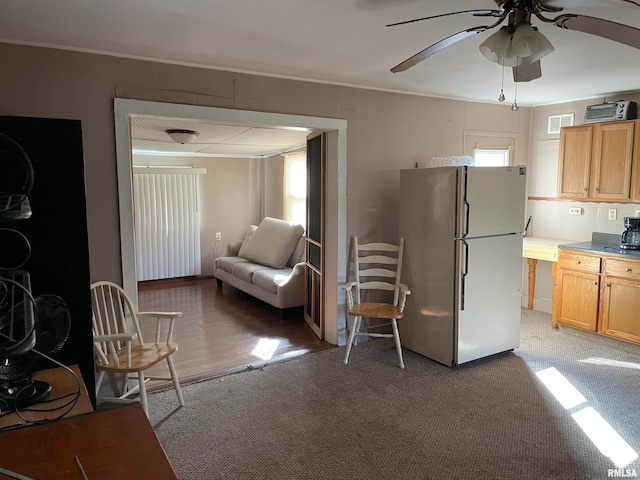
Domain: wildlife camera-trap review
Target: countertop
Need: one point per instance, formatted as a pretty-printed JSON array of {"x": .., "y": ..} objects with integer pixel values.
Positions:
[
  {"x": 542, "y": 248},
  {"x": 602, "y": 243}
]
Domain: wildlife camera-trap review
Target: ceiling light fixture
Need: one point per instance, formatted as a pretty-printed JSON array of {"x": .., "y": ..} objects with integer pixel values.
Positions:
[
  {"x": 181, "y": 136},
  {"x": 509, "y": 45}
]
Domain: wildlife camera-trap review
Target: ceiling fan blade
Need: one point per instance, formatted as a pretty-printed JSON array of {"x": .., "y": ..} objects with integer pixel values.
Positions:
[
  {"x": 436, "y": 47},
  {"x": 525, "y": 72},
  {"x": 542, "y": 6},
  {"x": 476, "y": 13},
  {"x": 600, "y": 27}
]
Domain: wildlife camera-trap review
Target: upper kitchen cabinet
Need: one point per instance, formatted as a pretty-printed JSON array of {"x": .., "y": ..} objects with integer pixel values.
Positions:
[
  {"x": 595, "y": 161},
  {"x": 574, "y": 161}
]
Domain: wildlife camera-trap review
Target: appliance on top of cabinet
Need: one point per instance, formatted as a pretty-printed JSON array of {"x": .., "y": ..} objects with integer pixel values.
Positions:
[
  {"x": 630, "y": 238},
  {"x": 611, "y": 111}
]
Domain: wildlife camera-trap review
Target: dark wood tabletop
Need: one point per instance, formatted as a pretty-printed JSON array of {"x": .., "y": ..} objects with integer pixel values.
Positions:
[{"x": 63, "y": 386}]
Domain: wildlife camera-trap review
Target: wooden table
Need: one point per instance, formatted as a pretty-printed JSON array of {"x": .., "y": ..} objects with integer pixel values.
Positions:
[
  {"x": 540, "y": 248},
  {"x": 114, "y": 444},
  {"x": 62, "y": 383}
]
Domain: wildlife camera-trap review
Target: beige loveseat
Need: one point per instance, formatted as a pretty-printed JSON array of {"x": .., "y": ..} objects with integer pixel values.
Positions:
[{"x": 268, "y": 264}]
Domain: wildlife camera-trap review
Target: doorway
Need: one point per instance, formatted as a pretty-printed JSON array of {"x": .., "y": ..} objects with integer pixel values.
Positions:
[{"x": 335, "y": 216}]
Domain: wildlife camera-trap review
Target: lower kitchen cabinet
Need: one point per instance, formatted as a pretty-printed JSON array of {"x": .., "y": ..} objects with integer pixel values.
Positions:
[
  {"x": 600, "y": 294},
  {"x": 620, "y": 302},
  {"x": 577, "y": 291}
]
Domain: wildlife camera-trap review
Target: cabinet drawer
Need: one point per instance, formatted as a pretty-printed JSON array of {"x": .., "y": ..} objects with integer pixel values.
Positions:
[
  {"x": 622, "y": 268},
  {"x": 578, "y": 261}
]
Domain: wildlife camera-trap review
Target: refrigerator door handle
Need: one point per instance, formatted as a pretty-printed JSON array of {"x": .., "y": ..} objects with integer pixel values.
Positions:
[
  {"x": 465, "y": 204},
  {"x": 465, "y": 246}
]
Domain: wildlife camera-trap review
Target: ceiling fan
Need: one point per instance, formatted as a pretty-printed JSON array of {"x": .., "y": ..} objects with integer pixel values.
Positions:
[{"x": 518, "y": 44}]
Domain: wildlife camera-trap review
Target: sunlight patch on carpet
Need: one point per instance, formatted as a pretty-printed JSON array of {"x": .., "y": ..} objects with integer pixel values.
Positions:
[
  {"x": 603, "y": 436},
  {"x": 561, "y": 388},
  {"x": 611, "y": 363},
  {"x": 599, "y": 431}
]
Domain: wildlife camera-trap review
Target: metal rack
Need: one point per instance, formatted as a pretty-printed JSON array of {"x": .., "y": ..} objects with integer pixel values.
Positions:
[
  {"x": 14, "y": 207},
  {"x": 17, "y": 313}
]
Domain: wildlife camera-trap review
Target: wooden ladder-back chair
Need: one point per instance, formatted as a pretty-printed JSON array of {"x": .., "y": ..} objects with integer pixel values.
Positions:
[
  {"x": 118, "y": 343},
  {"x": 378, "y": 266}
]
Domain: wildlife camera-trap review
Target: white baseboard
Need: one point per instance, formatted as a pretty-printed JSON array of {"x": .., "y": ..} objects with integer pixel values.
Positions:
[{"x": 540, "y": 304}]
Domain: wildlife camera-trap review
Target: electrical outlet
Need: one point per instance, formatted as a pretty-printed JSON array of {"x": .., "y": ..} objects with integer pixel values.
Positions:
[
  {"x": 637, "y": 213},
  {"x": 575, "y": 211},
  {"x": 613, "y": 214},
  {"x": 218, "y": 236}
]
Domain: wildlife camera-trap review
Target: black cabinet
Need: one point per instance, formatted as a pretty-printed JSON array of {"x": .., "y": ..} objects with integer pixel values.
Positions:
[{"x": 57, "y": 227}]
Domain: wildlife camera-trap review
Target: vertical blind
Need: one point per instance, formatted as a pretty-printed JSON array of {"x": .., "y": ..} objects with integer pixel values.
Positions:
[{"x": 167, "y": 225}]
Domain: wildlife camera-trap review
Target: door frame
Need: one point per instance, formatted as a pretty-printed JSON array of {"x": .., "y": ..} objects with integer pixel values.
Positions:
[{"x": 336, "y": 189}]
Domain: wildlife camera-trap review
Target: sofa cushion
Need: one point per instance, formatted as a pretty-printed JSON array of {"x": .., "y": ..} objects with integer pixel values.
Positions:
[
  {"x": 298, "y": 254},
  {"x": 271, "y": 279},
  {"x": 247, "y": 236},
  {"x": 273, "y": 242},
  {"x": 227, "y": 263},
  {"x": 245, "y": 270}
]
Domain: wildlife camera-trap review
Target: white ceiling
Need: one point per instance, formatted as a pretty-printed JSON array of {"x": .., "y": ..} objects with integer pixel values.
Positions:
[
  {"x": 149, "y": 137},
  {"x": 335, "y": 41}
]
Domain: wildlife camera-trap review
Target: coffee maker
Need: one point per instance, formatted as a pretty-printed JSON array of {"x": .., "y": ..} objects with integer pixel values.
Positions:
[{"x": 630, "y": 238}]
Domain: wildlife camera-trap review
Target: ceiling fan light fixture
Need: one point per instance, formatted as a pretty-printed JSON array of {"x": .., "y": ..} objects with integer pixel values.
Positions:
[
  {"x": 525, "y": 40},
  {"x": 181, "y": 136},
  {"x": 508, "y": 59},
  {"x": 497, "y": 49},
  {"x": 494, "y": 47},
  {"x": 544, "y": 48}
]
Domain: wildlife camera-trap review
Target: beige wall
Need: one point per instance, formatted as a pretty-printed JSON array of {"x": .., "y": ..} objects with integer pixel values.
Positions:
[
  {"x": 386, "y": 131},
  {"x": 551, "y": 218}
]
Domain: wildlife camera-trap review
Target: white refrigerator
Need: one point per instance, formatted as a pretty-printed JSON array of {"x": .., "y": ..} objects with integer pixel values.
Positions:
[{"x": 463, "y": 229}]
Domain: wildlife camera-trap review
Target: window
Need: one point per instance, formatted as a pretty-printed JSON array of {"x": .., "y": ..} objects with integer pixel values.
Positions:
[
  {"x": 295, "y": 187},
  {"x": 490, "y": 158},
  {"x": 491, "y": 149}
]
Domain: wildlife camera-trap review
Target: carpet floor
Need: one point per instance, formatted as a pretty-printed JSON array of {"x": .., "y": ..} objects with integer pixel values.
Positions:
[{"x": 314, "y": 418}]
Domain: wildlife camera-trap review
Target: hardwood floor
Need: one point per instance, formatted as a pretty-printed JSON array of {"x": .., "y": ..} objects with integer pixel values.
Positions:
[{"x": 222, "y": 330}]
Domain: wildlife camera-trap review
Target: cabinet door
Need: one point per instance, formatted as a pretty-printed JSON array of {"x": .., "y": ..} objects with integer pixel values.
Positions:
[
  {"x": 576, "y": 303},
  {"x": 619, "y": 310},
  {"x": 611, "y": 161},
  {"x": 574, "y": 161}
]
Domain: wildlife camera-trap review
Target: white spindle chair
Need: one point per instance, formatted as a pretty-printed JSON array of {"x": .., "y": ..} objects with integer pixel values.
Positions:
[
  {"x": 378, "y": 266},
  {"x": 118, "y": 343}
]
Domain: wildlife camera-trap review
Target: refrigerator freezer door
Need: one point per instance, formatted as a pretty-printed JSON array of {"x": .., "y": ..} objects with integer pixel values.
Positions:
[
  {"x": 495, "y": 200},
  {"x": 489, "y": 310}
]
